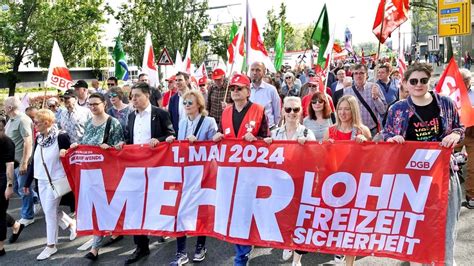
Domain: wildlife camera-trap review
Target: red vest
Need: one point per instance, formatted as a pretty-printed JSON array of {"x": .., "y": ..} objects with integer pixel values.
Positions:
[{"x": 251, "y": 122}]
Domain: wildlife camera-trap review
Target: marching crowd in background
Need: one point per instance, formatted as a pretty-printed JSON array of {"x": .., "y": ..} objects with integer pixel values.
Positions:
[{"x": 353, "y": 102}]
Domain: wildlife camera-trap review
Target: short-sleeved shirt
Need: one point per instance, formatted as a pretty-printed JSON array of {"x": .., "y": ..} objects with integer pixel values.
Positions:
[
  {"x": 94, "y": 135},
  {"x": 74, "y": 122},
  {"x": 7, "y": 153},
  {"x": 430, "y": 128},
  {"x": 121, "y": 116},
  {"x": 17, "y": 128}
]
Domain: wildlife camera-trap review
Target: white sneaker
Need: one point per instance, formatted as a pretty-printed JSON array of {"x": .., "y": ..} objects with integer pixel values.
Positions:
[
  {"x": 72, "y": 232},
  {"x": 296, "y": 259},
  {"x": 26, "y": 222},
  {"x": 296, "y": 263},
  {"x": 46, "y": 253},
  {"x": 37, "y": 208},
  {"x": 339, "y": 258},
  {"x": 287, "y": 253}
]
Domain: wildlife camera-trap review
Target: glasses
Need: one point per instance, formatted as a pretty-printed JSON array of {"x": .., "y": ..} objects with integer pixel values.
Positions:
[
  {"x": 423, "y": 81},
  {"x": 188, "y": 102},
  {"x": 313, "y": 86},
  {"x": 317, "y": 101},
  {"x": 288, "y": 78},
  {"x": 51, "y": 106},
  {"x": 295, "y": 110},
  {"x": 202, "y": 85},
  {"x": 36, "y": 122},
  {"x": 358, "y": 73},
  {"x": 94, "y": 104},
  {"x": 113, "y": 95},
  {"x": 235, "y": 88},
  {"x": 312, "y": 75},
  {"x": 110, "y": 84}
]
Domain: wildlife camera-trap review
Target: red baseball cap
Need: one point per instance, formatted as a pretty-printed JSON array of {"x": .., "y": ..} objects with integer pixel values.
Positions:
[
  {"x": 171, "y": 79},
  {"x": 218, "y": 73},
  {"x": 202, "y": 81},
  {"x": 240, "y": 80},
  {"x": 314, "y": 81}
]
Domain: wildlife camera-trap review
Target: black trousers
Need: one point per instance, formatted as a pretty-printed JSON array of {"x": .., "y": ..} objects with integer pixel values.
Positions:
[
  {"x": 141, "y": 241},
  {"x": 5, "y": 219}
]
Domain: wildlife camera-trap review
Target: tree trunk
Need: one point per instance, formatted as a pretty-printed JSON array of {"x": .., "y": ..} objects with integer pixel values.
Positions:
[{"x": 449, "y": 49}]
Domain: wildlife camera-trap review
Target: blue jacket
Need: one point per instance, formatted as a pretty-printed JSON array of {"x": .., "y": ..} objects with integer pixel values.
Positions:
[{"x": 207, "y": 130}]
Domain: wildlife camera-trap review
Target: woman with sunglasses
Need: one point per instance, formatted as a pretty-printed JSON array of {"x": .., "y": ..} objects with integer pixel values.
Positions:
[
  {"x": 119, "y": 109},
  {"x": 292, "y": 130},
  {"x": 319, "y": 115},
  {"x": 290, "y": 87},
  {"x": 196, "y": 126},
  {"x": 105, "y": 131},
  {"x": 427, "y": 116}
]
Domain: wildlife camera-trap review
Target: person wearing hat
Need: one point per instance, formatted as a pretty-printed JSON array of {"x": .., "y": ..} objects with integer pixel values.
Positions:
[
  {"x": 171, "y": 91},
  {"x": 242, "y": 120},
  {"x": 73, "y": 121},
  {"x": 202, "y": 83},
  {"x": 54, "y": 105},
  {"x": 82, "y": 92},
  {"x": 216, "y": 94}
]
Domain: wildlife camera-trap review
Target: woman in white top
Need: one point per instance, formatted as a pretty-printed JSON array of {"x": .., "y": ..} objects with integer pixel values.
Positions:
[
  {"x": 319, "y": 115},
  {"x": 292, "y": 130},
  {"x": 48, "y": 144}
]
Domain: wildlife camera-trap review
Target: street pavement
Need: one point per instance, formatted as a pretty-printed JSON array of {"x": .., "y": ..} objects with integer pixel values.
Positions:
[{"x": 32, "y": 241}]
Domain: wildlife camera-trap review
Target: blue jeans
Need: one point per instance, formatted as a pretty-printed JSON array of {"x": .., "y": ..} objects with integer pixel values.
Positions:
[
  {"x": 242, "y": 253},
  {"x": 27, "y": 211}
]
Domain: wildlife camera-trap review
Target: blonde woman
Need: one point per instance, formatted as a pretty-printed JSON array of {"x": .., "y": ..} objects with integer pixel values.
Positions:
[
  {"x": 46, "y": 162},
  {"x": 196, "y": 126},
  {"x": 348, "y": 122}
]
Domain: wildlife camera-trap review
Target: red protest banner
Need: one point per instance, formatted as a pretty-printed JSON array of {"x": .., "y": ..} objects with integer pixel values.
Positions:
[{"x": 360, "y": 199}]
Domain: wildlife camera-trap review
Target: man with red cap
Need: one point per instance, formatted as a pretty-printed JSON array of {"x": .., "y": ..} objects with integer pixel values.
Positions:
[
  {"x": 171, "y": 91},
  {"x": 242, "y": 120},
  {"x": 216, "y": 94},
  {"x": 202, "y": 83}
]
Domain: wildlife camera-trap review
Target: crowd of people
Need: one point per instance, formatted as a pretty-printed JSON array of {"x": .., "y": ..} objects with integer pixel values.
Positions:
[{"x": 298, "y": 105}]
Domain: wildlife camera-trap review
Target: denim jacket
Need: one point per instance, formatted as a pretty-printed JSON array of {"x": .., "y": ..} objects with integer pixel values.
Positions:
[{"x": 400, "y": 113}]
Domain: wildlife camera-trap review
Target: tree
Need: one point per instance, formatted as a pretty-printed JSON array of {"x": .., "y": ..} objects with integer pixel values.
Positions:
[
  {"x": 28, "y": 29},
  {"x": 423, "y": 23},
  {"x": 219, "y": 40},
  {"x": 199, "y": 52},
  {"x": 273, "y": 26},
  {"x": 171, "y": 23}
]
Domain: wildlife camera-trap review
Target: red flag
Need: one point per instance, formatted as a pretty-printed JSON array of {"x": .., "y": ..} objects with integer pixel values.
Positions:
[
  {"x": 393, "y": 13},
  {"x": 337, "y": 48},
  {"x": 451, "y": 84},
  {"x": 402, "y": 67}
]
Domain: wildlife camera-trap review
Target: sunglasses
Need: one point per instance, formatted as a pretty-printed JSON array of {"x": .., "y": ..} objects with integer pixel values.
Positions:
[
  {"x": 288, "y": 78},
  {"x": 312, "y": 75},
  {"x": 358, "y": 73},
  {"x": 317, "y": 101},
  {"x": 188, "y": 102},
  {"x": 312, "y": 86},
  {"x": 110, "y": 84},
  {"x": 202, "y": 85},
  {"x": 51, "y": 106},
  {"x": 423, "y": 81},
  {"x": 235, "y": 88},
  {"x": 295, "y": 110},
  {"x": 113, "y": 95},
  {"x": 94, "y": 104}
]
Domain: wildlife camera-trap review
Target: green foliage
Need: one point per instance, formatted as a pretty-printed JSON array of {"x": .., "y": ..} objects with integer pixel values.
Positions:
[
  {"x": 273, "y": 26},
  {"x": 199, "y": 52},
  {"x": 31, "y": 26},
  {"x": 5, "y": 63},
  {"x": 171, "y": 23},
  {"x": 423, "y": 22},
  {"x": 219, "y": 40}
]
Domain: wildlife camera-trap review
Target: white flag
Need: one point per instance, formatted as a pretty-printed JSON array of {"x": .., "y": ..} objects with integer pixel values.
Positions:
[
  {"x": 149, "y": 65},
  {"x": 58, "y": 73}
]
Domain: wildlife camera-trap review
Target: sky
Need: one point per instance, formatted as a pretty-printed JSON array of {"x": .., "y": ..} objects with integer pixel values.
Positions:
[{"x": 357, "y": 15}]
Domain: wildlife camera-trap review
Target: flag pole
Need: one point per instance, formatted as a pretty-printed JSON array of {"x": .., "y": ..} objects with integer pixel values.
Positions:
[{"x": 381, "y": 30}]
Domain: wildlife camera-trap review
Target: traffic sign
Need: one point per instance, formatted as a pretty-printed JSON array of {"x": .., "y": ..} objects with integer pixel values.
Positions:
[
  {"x": 454, "y": 17},
  {"x": 165, "y": 58},
  {"x": 433, "y": 43}
]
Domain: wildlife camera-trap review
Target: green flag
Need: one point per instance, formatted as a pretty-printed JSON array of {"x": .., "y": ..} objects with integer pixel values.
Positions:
[
  {"x": 279, "y": 47},
  {"x": 233, "y": 30},
  {"x": 321, "y": 35},
  {"x": 121, "y": 67}
]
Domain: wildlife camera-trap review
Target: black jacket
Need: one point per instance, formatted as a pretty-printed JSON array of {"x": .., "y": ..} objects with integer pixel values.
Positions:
[{"x": 161, "y": 126}]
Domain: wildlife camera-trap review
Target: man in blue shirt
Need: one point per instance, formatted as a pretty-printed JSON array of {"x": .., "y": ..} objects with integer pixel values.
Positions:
[{"x": 388, "y": 86}]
